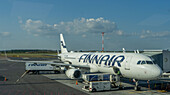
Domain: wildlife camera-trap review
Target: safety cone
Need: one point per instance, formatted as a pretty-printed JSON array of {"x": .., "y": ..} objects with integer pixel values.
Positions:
[
  {"x": 76, "y": 82},
  {"x": 148, "y": 85},
  {"x": 5, "y": 79}
]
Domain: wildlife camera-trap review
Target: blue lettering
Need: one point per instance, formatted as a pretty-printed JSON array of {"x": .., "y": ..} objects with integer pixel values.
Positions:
[
  {"x": 118, "y": 61},
  {"x": 111, "y": 60},
  {"x": 89, "y": 59},
  {"x": 95, "y": 58},
  {"x": 32, "y": 64},
  {"x": 37, "y": 65},
  {"x": 85, "y": 59},
  {"x": 81, "y": 58},
  {"x": 104, "y": 59}
]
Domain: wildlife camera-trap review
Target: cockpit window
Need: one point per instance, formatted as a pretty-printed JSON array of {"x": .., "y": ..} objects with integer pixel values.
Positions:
[
  {"x": 149, "y": 62},
  {"x": 138, "y": 62},
  {"x": 143, "y": 62}
]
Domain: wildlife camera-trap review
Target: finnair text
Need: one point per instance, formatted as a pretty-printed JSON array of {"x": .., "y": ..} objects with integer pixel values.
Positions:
[
  {"x": 37, "y": 64},
  {"x": 108, "y": 60}
]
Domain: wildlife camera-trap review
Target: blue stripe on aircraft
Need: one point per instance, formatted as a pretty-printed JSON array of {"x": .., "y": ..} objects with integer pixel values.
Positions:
[{"x": 63, "y": 44}]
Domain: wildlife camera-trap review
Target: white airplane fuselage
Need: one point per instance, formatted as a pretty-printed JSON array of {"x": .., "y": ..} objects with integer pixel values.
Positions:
[{"x": 131, "y": 65}]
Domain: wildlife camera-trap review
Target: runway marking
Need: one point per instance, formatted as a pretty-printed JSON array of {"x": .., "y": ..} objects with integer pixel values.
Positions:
[{"x": 22, "y": 76}]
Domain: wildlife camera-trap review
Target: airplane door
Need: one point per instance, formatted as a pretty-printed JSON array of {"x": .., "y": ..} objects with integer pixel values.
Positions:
[{"x": 127, "y": 63}]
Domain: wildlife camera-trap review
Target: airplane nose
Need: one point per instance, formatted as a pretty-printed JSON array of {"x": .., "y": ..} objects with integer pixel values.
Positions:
[{"x": 157, "y": 72}]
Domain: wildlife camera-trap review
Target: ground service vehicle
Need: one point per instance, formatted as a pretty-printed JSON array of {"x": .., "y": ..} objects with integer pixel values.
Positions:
[
  {"x": 36, "y": 68},
  {"x": 100, "y": 86}
]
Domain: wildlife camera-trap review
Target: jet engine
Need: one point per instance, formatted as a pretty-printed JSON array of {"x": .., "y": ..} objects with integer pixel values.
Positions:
[{"x": 73, "y": 73}]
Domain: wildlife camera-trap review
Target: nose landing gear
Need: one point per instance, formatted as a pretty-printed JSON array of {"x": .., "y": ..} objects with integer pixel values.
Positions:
[{"x": 137, "y": 87}]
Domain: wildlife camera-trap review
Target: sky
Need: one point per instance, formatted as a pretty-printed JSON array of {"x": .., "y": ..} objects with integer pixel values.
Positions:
[{"x": 129, "y": 24}]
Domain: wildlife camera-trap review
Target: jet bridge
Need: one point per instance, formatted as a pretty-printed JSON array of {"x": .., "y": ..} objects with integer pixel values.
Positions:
[{"x": 166, "y": 61}]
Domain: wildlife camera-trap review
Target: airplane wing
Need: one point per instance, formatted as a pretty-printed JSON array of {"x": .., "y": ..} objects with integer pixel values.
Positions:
[{"x": 53, "y": 63}]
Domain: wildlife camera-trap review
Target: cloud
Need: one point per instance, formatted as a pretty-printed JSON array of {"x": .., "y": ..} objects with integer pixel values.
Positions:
[
  {"x": 4, "y": 34},
  {"x": 84, "y": 27},
  {"x": 150, "y": 34},
  {"x": 77, "y": 26},
  {"x": 120, "y": 32},
  {"x": 37, "y": 27}
]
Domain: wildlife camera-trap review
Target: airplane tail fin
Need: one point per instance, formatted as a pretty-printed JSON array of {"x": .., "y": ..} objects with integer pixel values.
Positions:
[{"x": 62, "y": 44}]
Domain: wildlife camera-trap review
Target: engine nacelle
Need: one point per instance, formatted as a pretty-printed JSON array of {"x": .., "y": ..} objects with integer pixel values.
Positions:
[{"x": 73, "y": 73}]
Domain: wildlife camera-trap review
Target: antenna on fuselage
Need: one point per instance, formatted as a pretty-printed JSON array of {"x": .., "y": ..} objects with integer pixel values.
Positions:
[
  {"x": 123, "y": 50},
  {"x": 134, "y": 51},
  {"x": 137, "y": 51}
]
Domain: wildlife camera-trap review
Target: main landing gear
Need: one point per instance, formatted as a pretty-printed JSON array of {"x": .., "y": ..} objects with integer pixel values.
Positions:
[{"x": 137, "y": 87}]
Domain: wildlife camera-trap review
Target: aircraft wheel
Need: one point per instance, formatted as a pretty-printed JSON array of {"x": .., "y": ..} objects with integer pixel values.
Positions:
[
  {"x": 137, "y": 88},
  {"x": 121, "y": 88},
  {"x": 93, "y": 90}
]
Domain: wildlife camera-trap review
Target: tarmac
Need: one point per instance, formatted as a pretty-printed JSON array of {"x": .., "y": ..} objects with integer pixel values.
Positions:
[
  {"x": 30, "y": 84},
  {"x": 128, "y": 87},
  {"x": 60, "y": 84}
]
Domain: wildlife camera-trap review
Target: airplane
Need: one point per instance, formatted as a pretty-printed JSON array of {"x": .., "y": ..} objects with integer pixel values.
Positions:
[
  {"x": 131, "y": 65},
  {"x": 135, "y": 66}
]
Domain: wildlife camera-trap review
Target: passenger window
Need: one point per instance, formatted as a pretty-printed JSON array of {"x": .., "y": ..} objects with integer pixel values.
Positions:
[
  {"x": 143, "y": 62},
  {"x": 138, "y": 62}
]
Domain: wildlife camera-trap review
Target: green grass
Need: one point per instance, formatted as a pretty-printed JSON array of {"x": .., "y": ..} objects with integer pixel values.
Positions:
[{"x": 30, "y": 55}]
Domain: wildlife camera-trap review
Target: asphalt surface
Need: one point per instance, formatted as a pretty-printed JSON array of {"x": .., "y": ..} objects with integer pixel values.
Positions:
[
  {"x": 52, "y": 84},
  {"x": 30, "y": 84},
  {"x": 128, "y": 87}
]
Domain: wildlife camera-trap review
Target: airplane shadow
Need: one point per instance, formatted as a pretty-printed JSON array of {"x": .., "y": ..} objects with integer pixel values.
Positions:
[
  {"x": 153, "y": 85},
  {"x": 61, "y": 79}
]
